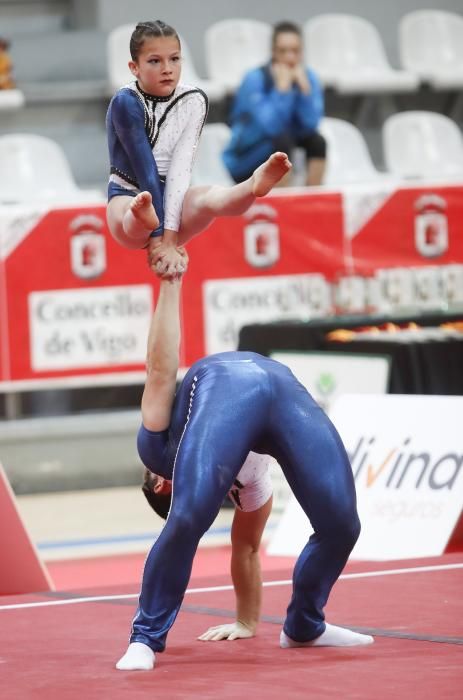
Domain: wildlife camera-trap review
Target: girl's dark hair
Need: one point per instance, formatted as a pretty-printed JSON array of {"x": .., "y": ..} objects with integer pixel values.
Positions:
[
  {"x": 143, "y": 30},
  {"x": 159, "y": 502},
  {"x": 285, "y": 28}
]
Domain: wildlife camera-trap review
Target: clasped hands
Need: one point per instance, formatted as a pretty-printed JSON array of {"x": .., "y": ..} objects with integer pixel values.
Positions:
[
  {"x": 286, "y": 76},
  {"x": 167, "y": 260}
]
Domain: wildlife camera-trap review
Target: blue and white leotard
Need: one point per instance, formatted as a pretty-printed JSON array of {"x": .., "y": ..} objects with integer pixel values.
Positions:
[
  {"x": 152, "y": 141},
  {"x": 228, "y": 405}
]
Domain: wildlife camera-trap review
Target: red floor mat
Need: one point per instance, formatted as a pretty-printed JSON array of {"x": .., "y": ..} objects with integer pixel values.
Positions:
[{"x": 69, "y": 650}]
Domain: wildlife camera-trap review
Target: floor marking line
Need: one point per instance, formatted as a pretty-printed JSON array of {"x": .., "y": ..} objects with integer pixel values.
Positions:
[
  {"x": 229, "y": 587},
  {"x": 374, "y": 631}
]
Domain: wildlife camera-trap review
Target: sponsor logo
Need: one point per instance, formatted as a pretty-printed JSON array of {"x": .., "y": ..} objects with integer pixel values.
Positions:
[
  {"x": 261, "y": 237},
  {"x": 326, "y": 383},
  {"x": 405, "y": 465},
  {"x": 431, "y": 226},
  {"x": 95, "y": 327},
  {"x": 88, "y": 247},
  {"x": 231, "y": 304}
]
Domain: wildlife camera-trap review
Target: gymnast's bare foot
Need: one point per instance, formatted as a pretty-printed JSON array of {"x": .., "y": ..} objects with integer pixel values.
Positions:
[
  {"x": 143, "y": 211},
  {"x": 270, "y": 173}
]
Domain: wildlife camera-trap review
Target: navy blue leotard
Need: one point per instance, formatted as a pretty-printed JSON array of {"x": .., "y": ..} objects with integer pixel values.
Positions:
[
  {"x": 152, "y": 143},
  {"x": 227, "y": 405}
]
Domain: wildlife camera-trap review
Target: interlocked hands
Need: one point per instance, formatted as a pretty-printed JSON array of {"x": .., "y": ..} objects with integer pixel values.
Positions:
[{"x": 166, "y": 260}]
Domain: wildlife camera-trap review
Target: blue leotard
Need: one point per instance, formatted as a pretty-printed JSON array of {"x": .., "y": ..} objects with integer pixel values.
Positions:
[
  {"x": 152, "y": 140},
  {"x": 227, "y": 405}
]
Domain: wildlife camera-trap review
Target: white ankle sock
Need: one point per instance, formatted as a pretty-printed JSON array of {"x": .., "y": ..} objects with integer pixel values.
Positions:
[
  {"x": 138, "y": 657},
  {"x": 332, "y": 637}
]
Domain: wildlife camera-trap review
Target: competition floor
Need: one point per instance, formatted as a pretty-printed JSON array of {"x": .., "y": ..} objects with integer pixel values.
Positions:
[{"x": 64, "y": 644}]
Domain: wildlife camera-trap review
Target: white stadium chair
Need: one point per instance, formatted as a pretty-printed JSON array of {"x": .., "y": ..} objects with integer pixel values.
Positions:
[
  {"x": 209, "y": 168},
  {"x": 348, "y": 158},
  {"x": 234, "y": 46},
  {"x": 213, "y": 89},
  {"x": 348, "y": 54},
  {"x": 118, "y": 55},
  {"x": 431, "y": 46},
  {"x": 423, "y": 145},
  {"x": 35, "y": 169},
  {"x": 11, "y": 99}
]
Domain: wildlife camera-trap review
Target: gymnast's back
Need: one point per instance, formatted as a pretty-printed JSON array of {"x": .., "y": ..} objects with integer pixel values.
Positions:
[
  {"x": 236, "y": 365},
  {"x": 225, "y": 378}
]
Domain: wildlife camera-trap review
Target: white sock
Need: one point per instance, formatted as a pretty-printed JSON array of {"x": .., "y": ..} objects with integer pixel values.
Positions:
[
  {"x": 138, "y": 657},
  {"x": 332, "y": 637}
]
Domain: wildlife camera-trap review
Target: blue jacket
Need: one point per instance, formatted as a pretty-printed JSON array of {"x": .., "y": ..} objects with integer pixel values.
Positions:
[{"x": 260, "y": 112}]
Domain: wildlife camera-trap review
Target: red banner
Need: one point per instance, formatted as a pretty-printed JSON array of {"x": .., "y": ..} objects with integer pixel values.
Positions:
[{"x": 75, "y": 303}]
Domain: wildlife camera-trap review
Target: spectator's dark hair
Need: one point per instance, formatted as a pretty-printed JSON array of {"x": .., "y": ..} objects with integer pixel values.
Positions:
[
  {"x": 4, "y": 43},
  {"x": 159, "y": 502},
  {"x": 144, "y": 30},
  {"x": 285, "y": 28}
]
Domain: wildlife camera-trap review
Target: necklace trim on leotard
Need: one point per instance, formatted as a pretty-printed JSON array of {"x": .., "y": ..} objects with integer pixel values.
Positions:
[{"x": 153, "y": 98}]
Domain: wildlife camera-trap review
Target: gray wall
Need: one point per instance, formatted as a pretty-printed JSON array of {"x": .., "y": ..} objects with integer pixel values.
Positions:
[{"x": 191, "y": 19}]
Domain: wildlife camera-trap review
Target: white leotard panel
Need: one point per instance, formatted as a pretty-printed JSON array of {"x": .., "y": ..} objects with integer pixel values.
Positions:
[
  {"x": 253, "y": 485},
  {"x": 175, "y": 127}
]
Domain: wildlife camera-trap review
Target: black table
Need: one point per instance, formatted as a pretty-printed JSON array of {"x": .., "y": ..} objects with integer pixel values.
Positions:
[{"x": 428, "y": 366}]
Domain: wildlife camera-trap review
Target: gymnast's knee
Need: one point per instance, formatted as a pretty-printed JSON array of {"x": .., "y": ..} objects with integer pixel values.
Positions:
[
  {"x": 355, "y": 528},
  {"x": 348, "y": 531},
  {"x": 182, "y": 520},
  {"x": 342, "y": 532}
]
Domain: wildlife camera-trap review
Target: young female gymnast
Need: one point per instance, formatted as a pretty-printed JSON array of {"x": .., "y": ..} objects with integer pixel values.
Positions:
[
  {"x": 228, "y": 405},
  {"x": 153, "y": 127}
]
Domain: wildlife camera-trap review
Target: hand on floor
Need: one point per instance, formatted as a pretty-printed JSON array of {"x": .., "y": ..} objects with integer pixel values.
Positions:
[{"x": 237, "y": 630}]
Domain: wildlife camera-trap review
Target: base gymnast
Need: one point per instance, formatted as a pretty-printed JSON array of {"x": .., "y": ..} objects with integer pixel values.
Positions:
[{"x": 228, "y": 405}]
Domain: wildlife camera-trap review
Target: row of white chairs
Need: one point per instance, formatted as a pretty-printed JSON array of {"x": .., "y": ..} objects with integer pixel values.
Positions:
[
  {"x": 35, "y": 170},
  {"x": 415, "y": 144},
  {"x": 347, "y": 51}
]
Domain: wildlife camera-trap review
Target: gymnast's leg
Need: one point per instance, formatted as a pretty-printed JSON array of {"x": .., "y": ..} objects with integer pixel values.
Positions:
[
  {"x": 210, "y": 454},
  {"x": 317, "y": 468},
  {"x": 203, "y": 204},
  {"x": 132, "y": 219}
]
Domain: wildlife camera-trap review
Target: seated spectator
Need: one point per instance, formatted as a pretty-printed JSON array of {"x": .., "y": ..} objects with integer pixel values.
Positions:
[
  {"x": 6, "y": 66},
  {"x": 277, "y": 108}
]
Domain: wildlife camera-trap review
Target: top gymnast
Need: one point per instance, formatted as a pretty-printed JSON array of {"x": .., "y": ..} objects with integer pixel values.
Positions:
[{"x": 153, "y": 126}]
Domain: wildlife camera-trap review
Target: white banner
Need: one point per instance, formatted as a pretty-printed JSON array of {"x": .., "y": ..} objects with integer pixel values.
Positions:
[
  {"x": 231, "y": 304},
  {"x": 99, "y": 327},
  {"x": 329, "y": 375},
  {"x": 407, "y": 457}
]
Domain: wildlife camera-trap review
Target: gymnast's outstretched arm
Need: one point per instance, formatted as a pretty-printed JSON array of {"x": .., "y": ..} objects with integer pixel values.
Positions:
[
  {"x": 162, "y": 357},
  {"x": 246, "y": 536}
]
